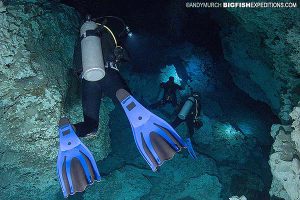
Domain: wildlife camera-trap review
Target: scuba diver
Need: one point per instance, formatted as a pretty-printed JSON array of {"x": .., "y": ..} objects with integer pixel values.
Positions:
[
  {"x": 170, "y": 89},
  {"x": 189, "y": 113},
  {"x": 156, "y": 140}
]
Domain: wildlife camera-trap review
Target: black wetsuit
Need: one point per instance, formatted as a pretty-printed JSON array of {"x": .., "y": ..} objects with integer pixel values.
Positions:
[
  {"x": 170, "y": 89},
  {"x": 93, "y": 91},
  {"x": 190, "y": 118}
]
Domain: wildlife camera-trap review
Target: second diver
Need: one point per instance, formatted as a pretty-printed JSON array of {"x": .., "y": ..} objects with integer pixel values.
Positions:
[
  {"x": 170, "y": 88},
  {"x": 190, "y": 114}
]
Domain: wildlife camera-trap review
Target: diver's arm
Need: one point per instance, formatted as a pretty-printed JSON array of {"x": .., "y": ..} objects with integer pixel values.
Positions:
[
  {"x": 178, "y": 87},
  {"x": 126, "y": 56},
  {"x": 121, "y": 54},
  {"x": 162, "y": 85}
]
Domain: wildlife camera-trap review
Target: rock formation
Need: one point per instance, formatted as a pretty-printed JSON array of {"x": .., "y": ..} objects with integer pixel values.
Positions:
[
  {"x": 262, "y": 46},
  {"x": 36, "y": 51},
  {"x": 284, "y": 162}
]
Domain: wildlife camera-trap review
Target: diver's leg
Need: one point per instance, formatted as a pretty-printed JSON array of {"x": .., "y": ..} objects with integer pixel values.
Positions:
[
  {"x": 157, "y": 104},
  {"x": 112, "y": 82},
  {"x": 174, "y": 102},
  {"x": 190, "y": 126},
  {"x": 91, "y": 99},
  {"x": 176, "y": 122},
  {"x": 189, "y": 140}
]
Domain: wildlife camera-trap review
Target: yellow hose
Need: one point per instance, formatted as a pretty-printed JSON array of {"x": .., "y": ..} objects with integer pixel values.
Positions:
[{"x": 112, "y": 34}]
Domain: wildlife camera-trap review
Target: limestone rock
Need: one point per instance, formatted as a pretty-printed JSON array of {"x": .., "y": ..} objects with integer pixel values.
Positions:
[
  {"x": 119, "y": 185},
  {"x": 283, "y": 144},
  {"x": 284, "y": 162},
  {"x": 254, "y": 42},
  {"x": 284, "y": 171},
  {"x": 278, "y": 190},
  {"x": 203, "y": 187},
  {"x": 36, "y": 50},
  {"x": 2, "y": 7},
  {"x": 189, "y": 179},
  {"x": 238, "y": 198},
  {"x": 296, "y": 125},
  {"x": 286, "y": 107}
]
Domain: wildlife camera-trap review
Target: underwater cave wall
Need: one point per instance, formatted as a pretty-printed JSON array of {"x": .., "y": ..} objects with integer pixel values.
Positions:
[
  {"x": 263, "y": 48},
  {"x": 262, "y": 45},
  {"x": 36, "y": 51}
]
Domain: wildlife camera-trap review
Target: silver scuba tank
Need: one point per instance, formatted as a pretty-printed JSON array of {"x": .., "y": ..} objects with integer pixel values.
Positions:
[
  {"x": 186, "y": 108},
  {"x": 91, "y": 51}
]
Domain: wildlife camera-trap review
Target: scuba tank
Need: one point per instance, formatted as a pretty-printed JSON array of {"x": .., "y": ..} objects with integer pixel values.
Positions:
[
  {"x": 186, "y": 108},
  {"x": 91, "y": 51}
]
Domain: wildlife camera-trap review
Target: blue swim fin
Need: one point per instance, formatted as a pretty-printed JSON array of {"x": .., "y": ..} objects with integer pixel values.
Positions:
[
  {"x": 156, "y": 140},
  {"x": 76, "y": 166},
  {"x": 190, "y": 148}
]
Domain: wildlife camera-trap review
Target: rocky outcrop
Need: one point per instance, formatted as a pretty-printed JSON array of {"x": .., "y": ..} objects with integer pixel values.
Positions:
[
  {"x": 238, "y": 198},
  {"x": 120, "y": 184},
  {"x": 285, "y": 161},
  {"x": 262, "y": 45},
  {"x": 36, "y": 49}
]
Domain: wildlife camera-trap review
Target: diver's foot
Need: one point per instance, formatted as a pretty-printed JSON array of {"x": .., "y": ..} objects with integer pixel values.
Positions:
[{"x": 82, "y": 134}]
